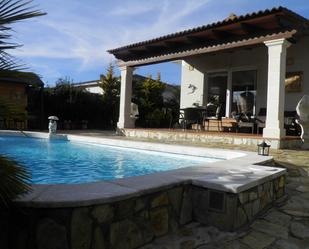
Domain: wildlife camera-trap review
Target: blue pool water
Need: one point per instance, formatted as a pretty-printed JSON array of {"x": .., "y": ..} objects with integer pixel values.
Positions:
[{"x": 72, "y": 162}]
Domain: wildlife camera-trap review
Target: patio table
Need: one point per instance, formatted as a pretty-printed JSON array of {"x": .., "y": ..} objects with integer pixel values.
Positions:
[{"x": 192, "y": 114}]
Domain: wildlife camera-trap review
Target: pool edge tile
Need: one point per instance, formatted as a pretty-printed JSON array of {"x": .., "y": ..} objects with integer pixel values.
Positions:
[{"x": 72, "y": 195}]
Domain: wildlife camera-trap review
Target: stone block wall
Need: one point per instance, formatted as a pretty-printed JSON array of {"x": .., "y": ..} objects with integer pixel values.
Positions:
[
  {"x": 124, "y": 224},
  {"x": 238, "y": 209},
  {"x": 177, "y": 136},
  {"x": 134, "y": 222}
]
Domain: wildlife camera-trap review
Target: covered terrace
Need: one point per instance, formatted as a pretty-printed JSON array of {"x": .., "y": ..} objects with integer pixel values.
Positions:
[{"x": 248, "y": 53}]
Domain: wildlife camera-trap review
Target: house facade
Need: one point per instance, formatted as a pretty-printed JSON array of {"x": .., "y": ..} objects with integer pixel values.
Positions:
[
  {"x": 229, "y": 74},
  {"x": 254, "y": 63},
  {"x": 90, "y": 86},
  {"x": 14, "y": 88},
  {"x": 94, "y": 87}
]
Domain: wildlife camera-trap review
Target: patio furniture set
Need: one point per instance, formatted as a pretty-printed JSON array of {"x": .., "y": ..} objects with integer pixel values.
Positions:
[{"x": 209, "y": 118}]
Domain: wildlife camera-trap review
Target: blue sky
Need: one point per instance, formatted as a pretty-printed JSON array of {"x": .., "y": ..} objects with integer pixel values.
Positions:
[{"x": 72, "y": 39}]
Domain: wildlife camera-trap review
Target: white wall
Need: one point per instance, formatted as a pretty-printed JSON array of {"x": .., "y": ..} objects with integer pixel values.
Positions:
[
  {"x": 194, "y": 77},
  {"x": 254, "y": 59},
  {"x": 195, "y": 69},
  {"x": 298, "y": 60},
  {"x": 94, "y": 89}
]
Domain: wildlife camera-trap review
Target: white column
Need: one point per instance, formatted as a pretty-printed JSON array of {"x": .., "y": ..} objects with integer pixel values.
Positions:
[
  {"x": 125, "y": 98},
  {"x": 276, "y": 88},
  {"x": 228, "y": 106}
]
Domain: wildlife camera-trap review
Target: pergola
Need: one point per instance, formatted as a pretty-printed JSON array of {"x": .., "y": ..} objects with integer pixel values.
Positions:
[{"x": 276, "y": 28}]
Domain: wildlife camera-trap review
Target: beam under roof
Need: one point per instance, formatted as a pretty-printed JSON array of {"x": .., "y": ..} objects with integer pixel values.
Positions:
[{"x": 208, "y": 49}]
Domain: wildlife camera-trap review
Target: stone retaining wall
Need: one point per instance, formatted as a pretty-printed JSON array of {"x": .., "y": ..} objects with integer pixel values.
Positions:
[
  {"x": 239, "y": 209},
  {"x": 134, "y": 222},
  {"x": 121, "y": 225},
  {"x": 204, "y": 137}
]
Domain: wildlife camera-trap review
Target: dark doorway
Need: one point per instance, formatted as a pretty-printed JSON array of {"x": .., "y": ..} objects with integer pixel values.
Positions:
[{"x": 217, "y": 86}]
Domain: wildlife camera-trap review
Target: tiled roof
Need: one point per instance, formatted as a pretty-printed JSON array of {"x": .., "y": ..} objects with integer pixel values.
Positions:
[
  {"x": 224, "y": 22},
  {"x": 28, "y": 78}
]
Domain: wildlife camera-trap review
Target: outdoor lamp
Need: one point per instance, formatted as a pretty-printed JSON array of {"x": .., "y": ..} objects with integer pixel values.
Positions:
[{"x": 263, "y": 149}]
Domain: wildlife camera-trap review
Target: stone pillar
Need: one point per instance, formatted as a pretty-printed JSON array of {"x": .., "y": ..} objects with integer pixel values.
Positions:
[
  {"x": 276, "y": 88},
  {"x": 125, "y": 98}
]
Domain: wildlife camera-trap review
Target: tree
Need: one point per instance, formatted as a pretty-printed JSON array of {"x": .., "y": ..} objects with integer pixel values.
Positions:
[
  {"x": 73, "y": 105},
  {"x": 64, "y": 87},
  {"x": 152, "y": 93},
  {"x": 12, "y": 11},
  {"x": 150, "y": 102},
  {"x": 13, "y": 178},
  {"x": 110, "y": 85}
]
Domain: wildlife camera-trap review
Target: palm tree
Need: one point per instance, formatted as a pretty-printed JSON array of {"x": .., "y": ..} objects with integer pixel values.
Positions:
[
  {"x": 14, "y": 179},
  {"x": 12, "y": 11}
]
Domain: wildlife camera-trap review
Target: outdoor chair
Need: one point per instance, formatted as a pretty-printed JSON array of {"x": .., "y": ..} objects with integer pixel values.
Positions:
[
  {"x": 260, "y": 120},
  {"x": 292, "y": 128},
  {"x": 246, "y": 124},
  {"x": 191, "y": 116},
  {"x": 213, "y": 113},
  {"x": 244, "y": 120},
  {"x": 174, "y": 119}
]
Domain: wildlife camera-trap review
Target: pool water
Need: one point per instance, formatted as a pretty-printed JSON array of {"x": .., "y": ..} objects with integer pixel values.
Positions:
[{"x": 72, "y": 162}]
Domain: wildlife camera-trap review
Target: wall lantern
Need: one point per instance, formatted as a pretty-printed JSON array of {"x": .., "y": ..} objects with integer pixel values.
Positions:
[{"x": 263, "y": 149}]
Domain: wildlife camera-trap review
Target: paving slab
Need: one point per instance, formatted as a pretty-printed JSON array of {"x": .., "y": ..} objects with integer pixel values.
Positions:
[
  {"x": 258, "y": 240},
  {"x": 290, "y": 244},
  {"x": 297, "y": 205},
  {"x": 299, "y": 230},
  {"x": 270, "y": 229},
  {"x": 278, "y": 218},
  {"x": 303, "y": 188}
]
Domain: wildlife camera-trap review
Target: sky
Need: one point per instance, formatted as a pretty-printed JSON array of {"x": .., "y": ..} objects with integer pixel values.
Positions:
[{"x": 72, "y": 39}]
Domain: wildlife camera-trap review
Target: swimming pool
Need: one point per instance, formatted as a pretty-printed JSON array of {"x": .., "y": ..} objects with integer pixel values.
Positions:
[
  {"x": 59, "y": 161},
  {"x": 168, "y": 198}
]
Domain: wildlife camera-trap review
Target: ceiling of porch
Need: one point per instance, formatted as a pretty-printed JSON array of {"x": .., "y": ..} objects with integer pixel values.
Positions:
[{"x": 234, "y": 31}]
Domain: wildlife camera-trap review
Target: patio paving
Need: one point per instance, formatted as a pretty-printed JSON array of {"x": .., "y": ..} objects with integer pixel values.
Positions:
[{"x": 284, "y": 226}]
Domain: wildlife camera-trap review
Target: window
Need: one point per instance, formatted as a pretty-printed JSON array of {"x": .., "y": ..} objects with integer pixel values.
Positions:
[
  {"x": 244, "y": 92},
  {"x": 217, "y": 85}
]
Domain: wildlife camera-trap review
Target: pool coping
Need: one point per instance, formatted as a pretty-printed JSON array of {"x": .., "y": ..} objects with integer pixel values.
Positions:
[{"x": 217, "y": 175}]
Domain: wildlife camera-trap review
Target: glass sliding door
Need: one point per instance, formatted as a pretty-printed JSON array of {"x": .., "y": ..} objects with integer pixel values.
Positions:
[
  {"x": 217, "y": 86},
  {"x": 244, "y": 92}
]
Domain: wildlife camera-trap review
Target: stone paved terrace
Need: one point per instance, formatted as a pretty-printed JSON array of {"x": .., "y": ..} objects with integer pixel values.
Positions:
[{"x": 285, "y": 226}]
